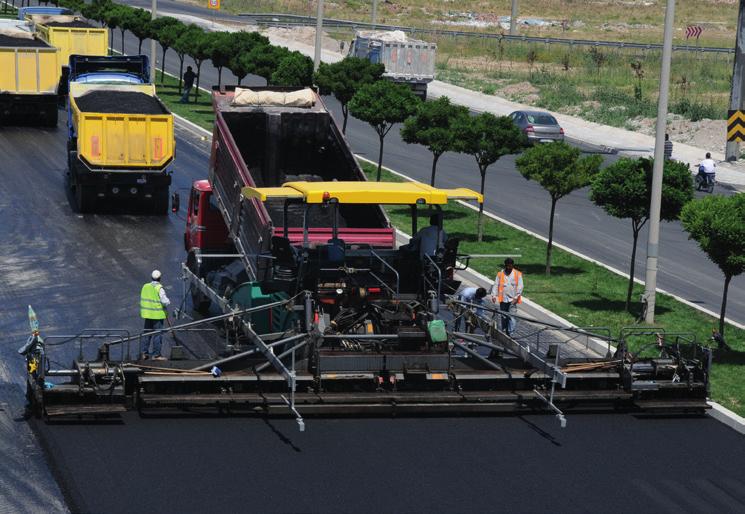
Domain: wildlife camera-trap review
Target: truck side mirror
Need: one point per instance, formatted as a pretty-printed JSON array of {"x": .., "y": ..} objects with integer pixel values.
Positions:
[{"x": 175, "y": 202}]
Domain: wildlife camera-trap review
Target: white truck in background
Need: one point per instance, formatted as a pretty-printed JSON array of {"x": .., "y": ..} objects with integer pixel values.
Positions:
[{"x": 407, "y": 61}]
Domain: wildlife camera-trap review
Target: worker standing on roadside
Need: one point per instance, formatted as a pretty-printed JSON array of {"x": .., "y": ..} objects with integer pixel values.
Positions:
[
  {"x": 668, "y": 148},
  {"x": 153, "y": 305},
  {"x": 189, "y": 77},
  {"x": 508, "y": 292}
]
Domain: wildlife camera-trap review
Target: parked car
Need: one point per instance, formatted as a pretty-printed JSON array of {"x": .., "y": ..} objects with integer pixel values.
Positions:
[{"x": 540, "y": 127}]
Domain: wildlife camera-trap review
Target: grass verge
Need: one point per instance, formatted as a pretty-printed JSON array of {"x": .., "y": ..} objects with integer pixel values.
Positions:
[{"x": 584, "y": 293}]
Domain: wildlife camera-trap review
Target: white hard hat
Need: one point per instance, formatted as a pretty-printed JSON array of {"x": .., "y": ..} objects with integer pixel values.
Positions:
[{"x": 155, "y": 274}]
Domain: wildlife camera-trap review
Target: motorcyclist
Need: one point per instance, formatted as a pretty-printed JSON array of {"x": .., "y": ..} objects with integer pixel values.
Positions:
[{"x": 707, "y": 169}]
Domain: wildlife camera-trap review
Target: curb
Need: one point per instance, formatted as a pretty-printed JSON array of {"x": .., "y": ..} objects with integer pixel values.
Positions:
[{"x": 726, "y": 416}]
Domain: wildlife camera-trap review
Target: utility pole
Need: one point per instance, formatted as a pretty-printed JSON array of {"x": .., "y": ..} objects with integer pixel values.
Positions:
[
  {"x": 513, "y": 19},
  {"x": 375, "y": 12},
  {"x": 153, "y": 50},
  {"x": 737, "y": 94},
  {"x": 653, "y": 242},
  {"x": 319, "y": 35}
]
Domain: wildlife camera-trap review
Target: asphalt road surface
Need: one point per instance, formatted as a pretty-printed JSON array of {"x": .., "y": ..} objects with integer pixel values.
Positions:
[
  {"x": 83, "y": 271},
  {"x": 684, "y": 268}
]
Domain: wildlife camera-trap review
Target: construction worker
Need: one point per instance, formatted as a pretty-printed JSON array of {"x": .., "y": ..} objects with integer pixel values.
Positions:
[
  {"x": 153, "y": 305},
  {"x": 507, "y": 291},
  {"x": 474, "y": 295},
  {"x": 430, "y": 239}
]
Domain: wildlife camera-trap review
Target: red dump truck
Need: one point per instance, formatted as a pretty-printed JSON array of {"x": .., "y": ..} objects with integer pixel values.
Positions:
[{"x": 263, "y": 144}]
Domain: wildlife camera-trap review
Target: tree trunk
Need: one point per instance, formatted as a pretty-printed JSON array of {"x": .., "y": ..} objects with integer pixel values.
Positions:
[
  {"x": 481, "y": 207},
  {"x": 181, "y": 74},
  {"x": 139, "y": 47},
  {"x": 199, "y": 75},
  {"x": 345, "y": 114},
  {"x": 122, "y": 31},
  {"x": 550, "y": 236},
  {"x": 722, "y": 312},
  {"x": 380, "y": 155},
  {"x": 219, "y": 76},
  {"x": 435, "y": 158},
  {"x": 162, "y": 64},
  {"x": 631, "y": 271},
  {"x": 111, "y": 39}
]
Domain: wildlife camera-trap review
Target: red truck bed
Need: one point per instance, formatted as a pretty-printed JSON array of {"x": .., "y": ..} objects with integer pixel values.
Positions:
[{"x": 264, "y": 146}]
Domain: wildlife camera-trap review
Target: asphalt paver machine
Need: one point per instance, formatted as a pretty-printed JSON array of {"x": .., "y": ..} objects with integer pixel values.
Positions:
[{"x": 334, "y": 328}]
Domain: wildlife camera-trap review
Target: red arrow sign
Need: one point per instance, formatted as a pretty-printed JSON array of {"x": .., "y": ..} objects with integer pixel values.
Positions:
[{"x": 693, "y": 31}]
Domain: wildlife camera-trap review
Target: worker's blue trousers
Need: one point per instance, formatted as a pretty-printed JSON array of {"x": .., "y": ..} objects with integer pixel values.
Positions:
[{"x": 157, "y": 339}]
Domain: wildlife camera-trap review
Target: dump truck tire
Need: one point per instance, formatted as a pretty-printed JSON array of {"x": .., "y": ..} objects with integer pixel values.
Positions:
[
  {"x": 160, "y": 201},
  {"x": 85, "y": 199},
  {"x": 50, "y": 118}
]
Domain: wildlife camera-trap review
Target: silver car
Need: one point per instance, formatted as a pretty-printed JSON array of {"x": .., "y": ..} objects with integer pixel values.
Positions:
[{"x": 540, "y": 127}]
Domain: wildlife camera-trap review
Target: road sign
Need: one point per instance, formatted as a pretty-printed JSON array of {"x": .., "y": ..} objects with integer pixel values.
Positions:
[
  {"x": 214, "y": 4},
  {"x": 736, "y": 126},
  {"x": 693, "y": 31}
]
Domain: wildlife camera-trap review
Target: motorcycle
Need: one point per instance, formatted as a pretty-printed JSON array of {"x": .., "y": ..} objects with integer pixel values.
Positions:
[{"x": 705, "y": 181}]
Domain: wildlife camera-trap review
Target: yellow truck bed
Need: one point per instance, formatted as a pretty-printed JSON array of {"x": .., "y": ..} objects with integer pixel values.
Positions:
[
  {"x": 123, "y": 140},
  {"x": 72, "y": 39},
  {"x": 29, "y": 70}
]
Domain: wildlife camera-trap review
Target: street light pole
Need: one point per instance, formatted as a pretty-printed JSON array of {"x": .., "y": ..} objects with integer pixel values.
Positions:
[
  {"x": 513, "y": 19},
  {"x": 653, "y": 241},
  {"x": 374, "y": 12},
  {"x": 153, "y": 55},
  {"x": 319, "y": 34}
]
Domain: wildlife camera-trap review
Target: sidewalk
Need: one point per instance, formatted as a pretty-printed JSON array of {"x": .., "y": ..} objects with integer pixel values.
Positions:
[{"x": 602, "y": 137}]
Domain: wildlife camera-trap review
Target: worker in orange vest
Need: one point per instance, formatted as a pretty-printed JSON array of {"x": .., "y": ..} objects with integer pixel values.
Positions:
[{"x": 507, "y": 291}]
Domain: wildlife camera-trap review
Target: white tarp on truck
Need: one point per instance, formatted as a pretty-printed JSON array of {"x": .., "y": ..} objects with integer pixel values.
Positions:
[{"x": 302, "y": 98}]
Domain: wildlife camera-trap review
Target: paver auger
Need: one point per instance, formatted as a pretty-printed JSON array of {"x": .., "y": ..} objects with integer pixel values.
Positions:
[{"x": 335, "y": 328}]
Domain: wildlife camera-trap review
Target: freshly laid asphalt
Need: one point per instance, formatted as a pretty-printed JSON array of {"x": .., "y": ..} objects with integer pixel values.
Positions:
[{"x": 81, "y": 271}]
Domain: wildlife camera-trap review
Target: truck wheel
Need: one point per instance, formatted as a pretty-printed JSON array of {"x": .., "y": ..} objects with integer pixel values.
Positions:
[
  {"x": 160, "y": 201},
  {"x": 84, "y": 198},
  {"x": 50, "y": 118}
]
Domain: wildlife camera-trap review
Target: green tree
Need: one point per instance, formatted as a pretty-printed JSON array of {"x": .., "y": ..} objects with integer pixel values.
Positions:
[
  {"x": 96, "y": 10},
  {"x": 487, "y": 138},
  {"x": 240, "y": 63},
  {"x": 344, "y": 78},
  {"x": 382, "y": 104},
  {"x": 717, "y": 224},
  {"x": 265, "y": 59},
  {"x": 166, "y": 31},
  {"x": 624, "y": 190},
  {"x": 126, "y": 20},
  {"x": 139, "y": 24},
  {"x": 220, "y": 51},
  {"x": 113, "y": 16},
  {"x": 181, "y": 46},
  {"x": 199, "y": 50},
  {"x": 295, "y": 69},
  {"x": 559, "y": 169},
  {"x": 433, "y": 126}
]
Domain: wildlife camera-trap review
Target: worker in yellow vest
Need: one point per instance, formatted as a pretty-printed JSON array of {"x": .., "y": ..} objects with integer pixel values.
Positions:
[
  {"x": 153, "y": 305},
  {"x": 507, "y": 291}
]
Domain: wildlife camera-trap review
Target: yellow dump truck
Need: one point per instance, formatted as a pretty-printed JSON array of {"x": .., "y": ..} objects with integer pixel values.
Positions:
[
  {"x": 29, "y": 76},
  {"x": 72, "y": 35},
  {"x": 121, "y": 138}
]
